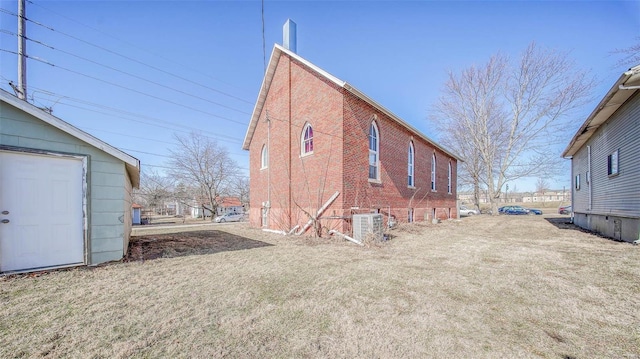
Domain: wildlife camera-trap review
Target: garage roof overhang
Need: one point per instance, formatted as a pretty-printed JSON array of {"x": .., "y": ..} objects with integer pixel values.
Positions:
[
  {"x": 132, "y": 164},
  {"x": 266, "y": 83},
  {"x": 626, "y": 86}
]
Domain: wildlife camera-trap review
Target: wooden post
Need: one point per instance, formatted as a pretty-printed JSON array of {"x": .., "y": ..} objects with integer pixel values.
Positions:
[{"x": 320, "y": 211}]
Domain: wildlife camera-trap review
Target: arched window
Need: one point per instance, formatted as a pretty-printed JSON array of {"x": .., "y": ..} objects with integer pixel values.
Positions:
[
  {"x": 306, "y": 141},
  {"x": 449, "y": 179},
  {"x": 374, "y": 152},
  {"x": 433, "y": 172},
  {"x": 264, "y": 157},
  {"x": 410, "y": 162}
]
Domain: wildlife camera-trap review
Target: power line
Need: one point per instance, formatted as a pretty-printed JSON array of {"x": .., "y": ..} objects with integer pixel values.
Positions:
[
  {"x": 128, "y": 88},
  {"x": 148, "y": 51},
  {"x": 146, "y": 153},
  {"x": 136, "y": 116},
  {"x": 171, "y": 168},
  {"x": 165, "y": 156},
  {"x": 339, "y": 136},
  {"x": 146, "y": 138},
  {"x": 126, "y": 73},
  {"x": 125, "y": 56},
  {"x": 147, "y": 123},
  {"x": 229, "y": 138}
]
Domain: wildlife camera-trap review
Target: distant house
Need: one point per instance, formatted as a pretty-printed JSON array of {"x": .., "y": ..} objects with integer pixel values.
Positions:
[
  {"x": 547, "y": 196},
  {"x": 229, "y": 205},
  {"x": 605, "y": 163},
  {"x": 225, "y": 205},
  {"x": 316, "y": 141},
  {"x": 65, "y": 196}
]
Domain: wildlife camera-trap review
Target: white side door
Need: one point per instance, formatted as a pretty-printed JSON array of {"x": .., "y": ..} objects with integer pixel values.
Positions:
[{"x": 41, "y": 211}]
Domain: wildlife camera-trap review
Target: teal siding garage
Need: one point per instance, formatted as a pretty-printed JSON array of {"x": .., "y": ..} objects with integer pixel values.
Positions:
[{"x": 65, "y": 196}]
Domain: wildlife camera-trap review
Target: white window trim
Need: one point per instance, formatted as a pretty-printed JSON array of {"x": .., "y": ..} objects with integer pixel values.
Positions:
[
  {"x": 264, "y": 157},
  {"x": 302, "y": 140},
  {"x": 411, "y": 165},
  {"x": 376, "y": 151}
]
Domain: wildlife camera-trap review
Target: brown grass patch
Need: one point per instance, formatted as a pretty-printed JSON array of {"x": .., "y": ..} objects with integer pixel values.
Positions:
[{"x": 482, "y": 287}]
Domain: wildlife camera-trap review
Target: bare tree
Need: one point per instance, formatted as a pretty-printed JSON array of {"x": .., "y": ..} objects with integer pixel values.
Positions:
[
  {"x": 201, "y": 163},
  {"x": 542, "y": 186},
  {"x": 240, "y": 189},
  {"x": 185, "y": 195},
  {"x": 155, "y": 189},
  {"x": 630, "y": 56},
  {"x": 471, "y": 170},
  {"x": 511, "y": 115}
]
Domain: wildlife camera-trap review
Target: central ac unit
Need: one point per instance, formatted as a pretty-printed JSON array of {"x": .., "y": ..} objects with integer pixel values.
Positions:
[{"x": 367, "y": 226}]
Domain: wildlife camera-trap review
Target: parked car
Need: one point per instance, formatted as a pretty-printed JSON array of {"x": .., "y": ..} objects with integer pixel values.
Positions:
[
  {"x": 515, "y": 210},
  {"x": 518, "y": 210},
  {"x": 534, "y": 211},
  {"x": 229, "y": 217},
  {"x": 503, "y": 209},
  {"x": 565, "y": 210},
  {"x": 466, "y": 212}
]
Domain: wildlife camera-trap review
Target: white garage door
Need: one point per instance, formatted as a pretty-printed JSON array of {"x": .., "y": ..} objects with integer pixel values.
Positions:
[{"x": 41, "y": 220}]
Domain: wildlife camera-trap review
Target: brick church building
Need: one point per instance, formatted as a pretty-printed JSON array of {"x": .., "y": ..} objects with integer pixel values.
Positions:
[{"x": 318, "y": 147}]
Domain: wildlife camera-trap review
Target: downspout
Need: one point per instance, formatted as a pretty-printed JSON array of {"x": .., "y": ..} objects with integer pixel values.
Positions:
[
  {"x": 573, "y": 191},
  {"x": 290, "y": 208},
  {"x": 268, "y": 169},
  {"x": 589, "y": 175}
]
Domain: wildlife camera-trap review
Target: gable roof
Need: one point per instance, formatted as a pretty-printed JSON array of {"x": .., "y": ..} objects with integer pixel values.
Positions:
[
  {"x": 266, "y": 84},
  {"x": 230, "y": 202},
  {"x": 626, "y": 86},
  {"x": 132, "y": 164}
]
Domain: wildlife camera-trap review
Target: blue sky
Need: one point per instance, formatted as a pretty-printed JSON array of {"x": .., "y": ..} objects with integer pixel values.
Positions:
[{"x": 198, "y": 65}]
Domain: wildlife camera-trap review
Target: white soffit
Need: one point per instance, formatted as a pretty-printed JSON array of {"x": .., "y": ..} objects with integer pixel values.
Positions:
[{"x": 626, "y": 86}]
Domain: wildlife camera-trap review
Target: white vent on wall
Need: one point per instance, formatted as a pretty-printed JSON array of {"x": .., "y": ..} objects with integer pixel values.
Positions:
[{"x": 367, "y": 226}]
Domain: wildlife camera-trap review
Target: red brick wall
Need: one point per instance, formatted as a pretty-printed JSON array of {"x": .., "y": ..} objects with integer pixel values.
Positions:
[
  {"x": 300, "y": 185},
  {"x": 339, "y": 162},
  {"x": 392, "y": 192}
]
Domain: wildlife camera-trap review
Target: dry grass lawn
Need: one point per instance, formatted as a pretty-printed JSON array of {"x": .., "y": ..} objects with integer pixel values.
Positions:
[{"x": 482, "y": 287}]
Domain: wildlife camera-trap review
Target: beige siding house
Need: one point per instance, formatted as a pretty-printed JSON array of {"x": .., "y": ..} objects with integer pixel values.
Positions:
[
  {"x": 605, "y": 163},
  {"x": 65, "y": 196}
]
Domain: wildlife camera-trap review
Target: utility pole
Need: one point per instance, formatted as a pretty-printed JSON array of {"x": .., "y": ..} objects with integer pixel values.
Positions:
[
  {"x": 22, "y": 47},
  {"x": 506, "y": 194}
]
